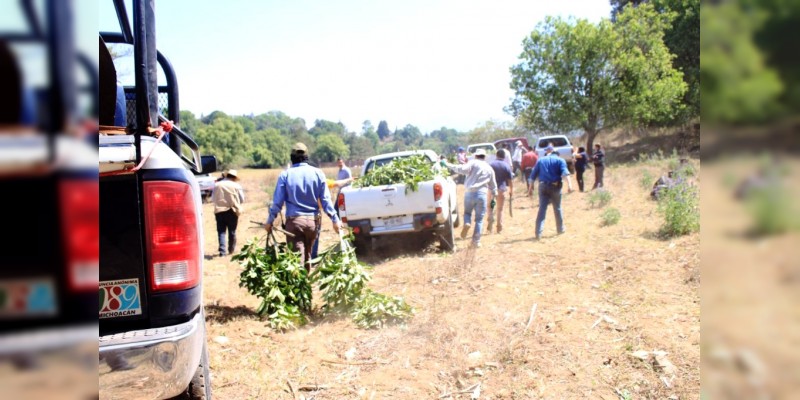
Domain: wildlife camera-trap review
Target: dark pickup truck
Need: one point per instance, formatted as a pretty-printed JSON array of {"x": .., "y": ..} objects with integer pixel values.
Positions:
[{"x": 152, "y": 325}]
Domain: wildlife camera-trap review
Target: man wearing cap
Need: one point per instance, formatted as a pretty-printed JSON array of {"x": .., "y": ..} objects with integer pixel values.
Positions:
[
  {"x": 303, "y": 189},
  {"x": 550, "y": 169},
  {"x": 227, "y": 197},
  {"x": 480, "y": 181}
]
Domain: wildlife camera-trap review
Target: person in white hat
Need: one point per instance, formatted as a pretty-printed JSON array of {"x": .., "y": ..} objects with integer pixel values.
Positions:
[
  {"x": 479, "y": 183},
  {"x": 228, "y": 196}
]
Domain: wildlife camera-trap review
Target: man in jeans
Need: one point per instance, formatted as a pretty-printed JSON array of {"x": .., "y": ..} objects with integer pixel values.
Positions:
[
  {"x": 550, "y": 170},
  {"x": 479, "y": 182},
  {"x": 227, "y": 197},
  {"x": 303, "y": 189},
  {"x": 505, "y": 186}
]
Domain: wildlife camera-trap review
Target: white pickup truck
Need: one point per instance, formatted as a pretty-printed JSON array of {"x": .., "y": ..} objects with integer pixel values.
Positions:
[
  {"x": 562, "y": 144},
  {"x": 490, "y": 149},
  {"x": 389, "y": 209}
]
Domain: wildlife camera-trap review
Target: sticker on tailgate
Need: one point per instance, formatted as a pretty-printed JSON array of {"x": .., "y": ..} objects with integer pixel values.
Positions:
[
  {"x": 120, "y": 298},
  {"x": 28, "y": 297}
]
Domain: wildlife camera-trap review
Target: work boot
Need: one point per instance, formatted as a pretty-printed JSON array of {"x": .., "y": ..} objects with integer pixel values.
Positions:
[{"x": 464, "y": 231}]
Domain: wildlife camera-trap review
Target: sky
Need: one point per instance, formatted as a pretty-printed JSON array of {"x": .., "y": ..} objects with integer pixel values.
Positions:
[{"x": 428, "y": 63}]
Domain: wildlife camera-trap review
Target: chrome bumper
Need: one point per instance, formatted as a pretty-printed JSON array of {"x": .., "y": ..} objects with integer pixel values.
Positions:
[{"x": 151, "y": 363}]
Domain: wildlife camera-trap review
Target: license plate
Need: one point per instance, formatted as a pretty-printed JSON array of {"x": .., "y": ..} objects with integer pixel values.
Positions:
[
  {"x": 394, "y": 221},
  {"x": 30, "y": 297}
]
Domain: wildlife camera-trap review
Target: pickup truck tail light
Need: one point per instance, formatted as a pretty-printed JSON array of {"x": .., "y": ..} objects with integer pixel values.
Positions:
[
  {"x": 80, "y": 217},
  {"x": 340, "y": 201},
  {"x": 173, "y": 251},
  {"x": 437, "y": 195}
]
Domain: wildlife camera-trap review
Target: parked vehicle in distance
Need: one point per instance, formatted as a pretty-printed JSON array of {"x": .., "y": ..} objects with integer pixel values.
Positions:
[
  {"x": 488, "y": 147},
  {"x": 511, "y": 142},
  {"x": 206, "y": 183},
  {"x": 377, "y": 211},
  {"x": 562, "y": 145}
]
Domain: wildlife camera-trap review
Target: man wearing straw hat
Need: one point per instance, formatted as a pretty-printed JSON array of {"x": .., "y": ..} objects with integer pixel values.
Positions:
[
  {"x": 227, "y": 197},
  {"x": 303, "y": 189}
]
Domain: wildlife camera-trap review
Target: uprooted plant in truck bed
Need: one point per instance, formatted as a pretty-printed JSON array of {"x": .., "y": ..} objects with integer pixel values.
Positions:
[
  {"x": 275, "y": 275},
  {"x": 407, "y": 170}
]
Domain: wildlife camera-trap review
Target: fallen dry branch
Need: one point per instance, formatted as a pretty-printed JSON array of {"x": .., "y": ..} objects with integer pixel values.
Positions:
[
  {"x": 367, "y": 362},
  {"x": 291, "y": 388},
  {"x": 475, "y": 388},
  {"x": 312, "y": 388},
  {"x": 530, "y": 319}
]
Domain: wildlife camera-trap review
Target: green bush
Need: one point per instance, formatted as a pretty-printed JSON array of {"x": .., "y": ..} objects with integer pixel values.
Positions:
[
  {"x": 771, "y": 208},
  {"x": 600, "y": 198},
  {"x": 681, "y": 210},
  {"x": 610, "y": 216},
  {"x": 647, "y": 180}
]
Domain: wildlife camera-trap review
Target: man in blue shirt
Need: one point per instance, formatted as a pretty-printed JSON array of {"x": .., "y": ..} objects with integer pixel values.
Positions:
[
  {"x": 550, "y": 169},
  {"x": 505, "y": 184},
  {"x": 303, "y": 188}
]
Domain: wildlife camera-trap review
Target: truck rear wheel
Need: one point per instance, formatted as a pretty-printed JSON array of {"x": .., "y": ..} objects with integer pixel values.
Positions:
[
  {"x": 447, "y": 237},
  {"x": 362, "y": 245}
]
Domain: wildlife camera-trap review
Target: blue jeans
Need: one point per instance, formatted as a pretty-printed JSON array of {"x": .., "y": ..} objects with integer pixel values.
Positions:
[
  {"x": 549, "y": 194},
  {"x": 475, "y": 201}
]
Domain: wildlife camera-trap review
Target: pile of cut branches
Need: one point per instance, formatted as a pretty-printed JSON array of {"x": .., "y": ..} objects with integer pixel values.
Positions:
[
  {"x": 408, "y": 170},
  {"x": 275, "y": 275}
]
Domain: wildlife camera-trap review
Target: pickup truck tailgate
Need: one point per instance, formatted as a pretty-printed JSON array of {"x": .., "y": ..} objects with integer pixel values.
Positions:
[
  {"x": 122, "y": 261},
  {"x": 389, "y": 208}
]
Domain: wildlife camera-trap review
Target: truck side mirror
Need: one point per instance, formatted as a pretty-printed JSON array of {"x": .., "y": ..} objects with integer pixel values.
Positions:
[{"x": 209, "y": 164}]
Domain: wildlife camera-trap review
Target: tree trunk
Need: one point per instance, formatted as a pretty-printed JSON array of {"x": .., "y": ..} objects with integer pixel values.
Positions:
[{"x": 591, "y": 134}]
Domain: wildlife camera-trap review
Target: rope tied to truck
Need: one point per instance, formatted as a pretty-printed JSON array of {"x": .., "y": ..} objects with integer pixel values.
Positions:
[{"x": 163, "y": 128}]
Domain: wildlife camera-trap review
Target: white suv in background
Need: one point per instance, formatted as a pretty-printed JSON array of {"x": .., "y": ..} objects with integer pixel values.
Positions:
[{"x": 561, "y": 143}]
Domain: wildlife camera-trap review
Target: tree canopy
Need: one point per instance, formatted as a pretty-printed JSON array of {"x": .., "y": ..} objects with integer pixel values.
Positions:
[{"x": 578, "y": 75}]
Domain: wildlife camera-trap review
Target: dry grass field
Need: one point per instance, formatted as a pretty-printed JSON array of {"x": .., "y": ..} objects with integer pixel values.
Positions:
[{"x": 515, "y": 319}]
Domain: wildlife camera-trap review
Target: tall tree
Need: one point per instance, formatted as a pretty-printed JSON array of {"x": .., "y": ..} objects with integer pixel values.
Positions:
[
  {"x": 367, "y": 128},
  {"x": 409, "y": 134},
  {"x": 270, "y": 148},
  {"x": 682, "y": 37},
  {"x": 383, "y": 130},
  {"x": 225, "y": 139},
  {"x": 576, "y": 75},
  {"x": 737, "y": 84},
  {"x": 329, "y": 147},
  {"x": 324, "y": 127}
]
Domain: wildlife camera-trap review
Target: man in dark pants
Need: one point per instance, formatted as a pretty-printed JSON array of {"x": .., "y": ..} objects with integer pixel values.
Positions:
[
  {"x": 581, "y": 161},
  {"x": 599, "y": 160},
  {"x": 303, "y": 189},
  {"x": 550, "y": 170},
  {"x": 227, "y": 197}
]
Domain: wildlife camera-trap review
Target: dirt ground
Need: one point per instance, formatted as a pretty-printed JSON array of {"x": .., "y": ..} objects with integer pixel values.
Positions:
[{"x": 514, "y": 319}]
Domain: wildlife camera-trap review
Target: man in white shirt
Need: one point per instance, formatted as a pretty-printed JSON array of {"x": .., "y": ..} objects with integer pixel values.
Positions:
[
  {"x": 479, "y": 183},
  {"x": 516, "y": 158}
]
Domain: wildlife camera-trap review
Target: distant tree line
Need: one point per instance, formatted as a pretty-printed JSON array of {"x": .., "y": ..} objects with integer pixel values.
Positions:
[{"x": 264, "y": 140}]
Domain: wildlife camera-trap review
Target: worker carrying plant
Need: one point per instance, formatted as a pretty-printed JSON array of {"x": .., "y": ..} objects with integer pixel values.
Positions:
[{"x": 303, "y": 189}]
